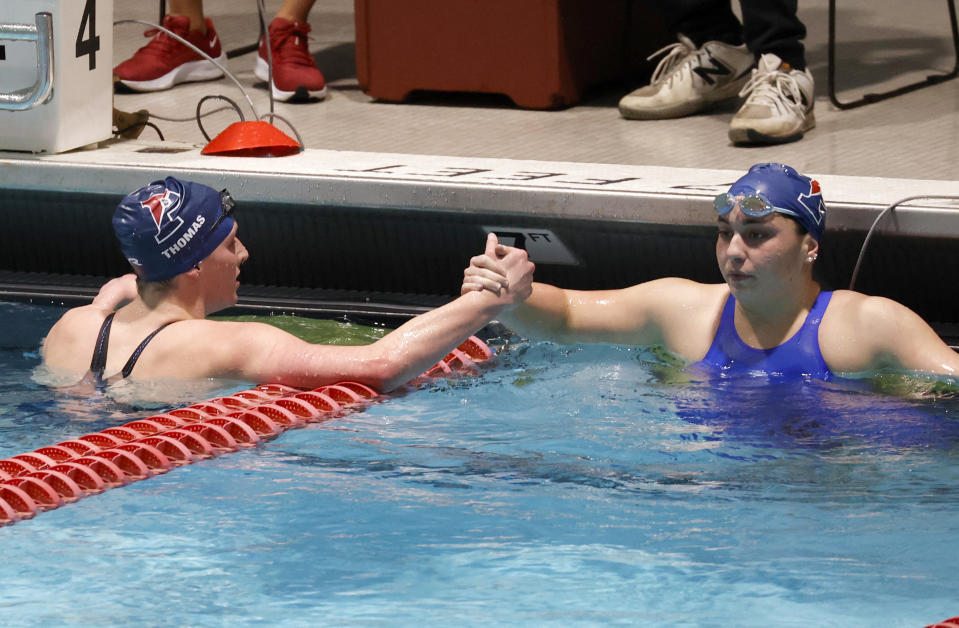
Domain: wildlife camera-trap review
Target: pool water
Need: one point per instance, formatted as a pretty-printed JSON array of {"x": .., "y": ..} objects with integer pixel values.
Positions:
[{"x": 561, "y": 486}]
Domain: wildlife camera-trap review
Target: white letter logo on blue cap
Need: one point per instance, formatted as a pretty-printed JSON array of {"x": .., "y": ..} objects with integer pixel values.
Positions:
[{"x": 163, "y": 207}]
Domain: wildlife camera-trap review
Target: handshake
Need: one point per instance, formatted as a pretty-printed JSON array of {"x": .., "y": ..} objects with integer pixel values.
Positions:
[{"x": 503, "y": 270}]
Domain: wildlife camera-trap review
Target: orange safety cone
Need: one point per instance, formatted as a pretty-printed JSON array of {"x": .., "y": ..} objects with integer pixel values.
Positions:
[{"x": 255, "y": 138}]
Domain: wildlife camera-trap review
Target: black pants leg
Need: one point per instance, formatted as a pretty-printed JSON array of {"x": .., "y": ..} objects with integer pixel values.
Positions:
[
  {"x": 703, "y": 20},
  {"x": 768, "y": 25},
  {"x": 773, "y": 26}
]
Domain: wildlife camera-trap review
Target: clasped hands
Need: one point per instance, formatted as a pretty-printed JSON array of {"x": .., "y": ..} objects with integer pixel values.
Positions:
[{"x": 503, "y": 270}]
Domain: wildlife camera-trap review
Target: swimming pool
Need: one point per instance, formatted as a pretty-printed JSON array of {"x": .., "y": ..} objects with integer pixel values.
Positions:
[{"x": 563, "y": 485}]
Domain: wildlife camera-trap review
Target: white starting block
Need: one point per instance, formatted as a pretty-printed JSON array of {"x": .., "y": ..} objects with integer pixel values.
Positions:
[{"x": 56, "y": 74}]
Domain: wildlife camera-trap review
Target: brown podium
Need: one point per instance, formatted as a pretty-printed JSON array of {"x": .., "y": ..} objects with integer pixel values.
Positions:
[{"x": 543, "y": 54}]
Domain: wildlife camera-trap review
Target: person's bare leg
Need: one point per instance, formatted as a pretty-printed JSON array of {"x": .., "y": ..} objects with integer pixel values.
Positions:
[
  {"x": 192, "y": 9},
  {"x": 295, "y": 10}
]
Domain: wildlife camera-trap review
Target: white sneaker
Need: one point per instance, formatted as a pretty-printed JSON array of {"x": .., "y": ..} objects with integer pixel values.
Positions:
[
  {"x": 689, "y": 79},
  {"x": 778, "y": 107}
]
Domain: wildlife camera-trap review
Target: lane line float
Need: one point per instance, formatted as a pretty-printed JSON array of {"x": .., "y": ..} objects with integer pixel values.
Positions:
[{"x": 49, "y": 477}]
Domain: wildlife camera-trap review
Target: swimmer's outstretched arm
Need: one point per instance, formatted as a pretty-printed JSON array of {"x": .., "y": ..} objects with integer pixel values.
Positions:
[
  {"x": 644, "y": 314},
  {"x": 641, "y": 314},
  {"x": 262, "y": 353}
]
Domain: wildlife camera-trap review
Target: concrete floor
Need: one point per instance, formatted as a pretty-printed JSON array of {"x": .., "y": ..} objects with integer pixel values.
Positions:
[{"x": 882, "y": 44}]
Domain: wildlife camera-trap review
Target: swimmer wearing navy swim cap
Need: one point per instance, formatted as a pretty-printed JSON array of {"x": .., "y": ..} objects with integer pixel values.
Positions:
[
  {"x": 769, "y": 316},
  {"x": 169, "y": 226},
  {"x": 180, "y": 238}
]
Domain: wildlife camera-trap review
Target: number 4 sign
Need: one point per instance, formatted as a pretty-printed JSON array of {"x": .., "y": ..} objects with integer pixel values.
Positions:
[
  {"x": 79, "y": 108},
  {"x": 88, "y": 42}
]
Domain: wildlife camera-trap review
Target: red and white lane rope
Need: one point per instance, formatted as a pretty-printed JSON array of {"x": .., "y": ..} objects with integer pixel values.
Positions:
[{"x": 50, "y": 477}]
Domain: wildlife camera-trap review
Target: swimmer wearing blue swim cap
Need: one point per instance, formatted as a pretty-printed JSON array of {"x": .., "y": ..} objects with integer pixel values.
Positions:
[
  {"x": 180, "y": 237},
  {"x": 769, "y": 316},
  {"x": 170, "y": 226},
  {"x": 774, "y": 187}
]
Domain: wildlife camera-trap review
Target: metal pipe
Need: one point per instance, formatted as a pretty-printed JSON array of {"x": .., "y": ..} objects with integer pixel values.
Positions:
[{"x": 42, "y": 90}]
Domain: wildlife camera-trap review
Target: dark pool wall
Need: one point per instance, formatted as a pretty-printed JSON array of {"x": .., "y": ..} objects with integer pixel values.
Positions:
[{"x": 64, "y": 241}]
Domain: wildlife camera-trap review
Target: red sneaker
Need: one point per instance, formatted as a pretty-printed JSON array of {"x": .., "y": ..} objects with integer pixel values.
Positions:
[
  {"x": 164, "y": 61},
  {"x": 295, "y": 75}
]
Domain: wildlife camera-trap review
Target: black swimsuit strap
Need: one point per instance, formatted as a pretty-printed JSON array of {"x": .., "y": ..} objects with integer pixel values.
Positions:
[
  {"x": 128, "y": 367},
  {"x": 99, "y": 361}
]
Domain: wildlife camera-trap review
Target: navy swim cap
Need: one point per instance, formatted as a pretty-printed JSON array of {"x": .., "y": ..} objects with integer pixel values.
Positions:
[
  {"x": 784, "y": 188},
  {"x": 167, "y": 227}
]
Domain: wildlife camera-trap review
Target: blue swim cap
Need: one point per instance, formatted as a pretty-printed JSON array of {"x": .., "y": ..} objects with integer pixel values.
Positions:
[
  {"x": 167, "y": 227},
  {"x": 786, "y": 189}
]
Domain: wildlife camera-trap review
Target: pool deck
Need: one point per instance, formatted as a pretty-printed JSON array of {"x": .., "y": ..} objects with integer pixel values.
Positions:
[{"x": 881, "y": 45}]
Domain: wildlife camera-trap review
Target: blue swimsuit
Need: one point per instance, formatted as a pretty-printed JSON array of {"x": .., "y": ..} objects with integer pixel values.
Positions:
[{"x": 798, "y": 357}]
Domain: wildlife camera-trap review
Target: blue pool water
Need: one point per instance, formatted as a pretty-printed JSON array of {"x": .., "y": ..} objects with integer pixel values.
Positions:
[{"x": 562, "y": 486}]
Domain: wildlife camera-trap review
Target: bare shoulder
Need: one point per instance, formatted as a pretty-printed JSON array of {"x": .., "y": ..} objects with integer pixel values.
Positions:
[
  {"x": 854, "y": 310},
  {"x": 74, "y": 333},
  {"x": 861, "y": 333},
  {"x": 80, "y": 315}
]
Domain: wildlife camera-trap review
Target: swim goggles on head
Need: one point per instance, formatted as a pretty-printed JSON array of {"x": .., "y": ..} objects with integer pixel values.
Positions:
[
  {"x": 226, "y": 209},
  {"x": 755, "y": 205}
]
